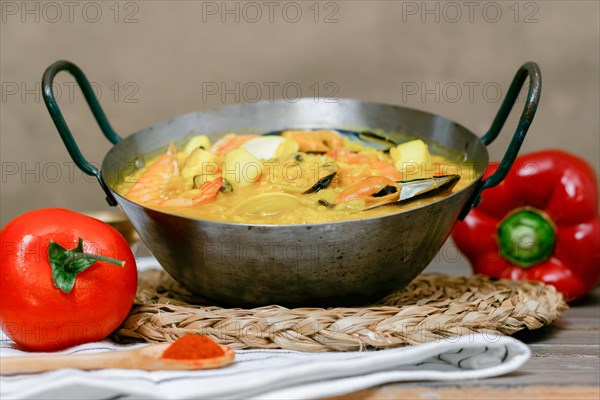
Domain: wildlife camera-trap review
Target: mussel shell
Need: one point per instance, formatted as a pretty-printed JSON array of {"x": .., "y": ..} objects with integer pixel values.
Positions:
[
  {"x": 321, "y": 184},
  {"x": 425, "y": 187}
]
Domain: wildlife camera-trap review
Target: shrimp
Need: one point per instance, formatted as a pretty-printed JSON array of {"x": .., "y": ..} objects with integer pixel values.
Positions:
[
  {"x": 364, "y": 166},
  {"x": 385, "y": 169},
  {"x": 207, "y": 192},
  {"x": 374, "y": 189},
  {"x": 349, "y": 157},
  {"x": 158, "y": 185},
  {"x": 230, "y": 142},
  {"x": 155, "y": 181},
  {"x": 320, "y": 141}
]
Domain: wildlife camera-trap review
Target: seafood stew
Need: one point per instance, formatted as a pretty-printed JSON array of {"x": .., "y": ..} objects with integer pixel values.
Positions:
[{"x": 293, "y": 177}]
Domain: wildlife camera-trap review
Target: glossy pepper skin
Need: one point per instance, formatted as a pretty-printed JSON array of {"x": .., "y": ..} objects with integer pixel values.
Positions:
[{"x": 540, "y": 223}]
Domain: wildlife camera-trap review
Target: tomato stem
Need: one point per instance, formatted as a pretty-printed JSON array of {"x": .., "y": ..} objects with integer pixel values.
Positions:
[
  {"x": 67, "y": 264},
  {"x": 96, "y": 257}
]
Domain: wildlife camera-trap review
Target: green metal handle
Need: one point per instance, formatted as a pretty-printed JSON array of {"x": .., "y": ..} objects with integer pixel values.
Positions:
[
  {"x": 63, "y": 128},
  {"x": 528, "y": 70}
]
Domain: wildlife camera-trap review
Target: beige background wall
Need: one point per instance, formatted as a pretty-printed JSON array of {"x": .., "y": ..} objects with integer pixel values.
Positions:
[{"x": 152, "y": 60}]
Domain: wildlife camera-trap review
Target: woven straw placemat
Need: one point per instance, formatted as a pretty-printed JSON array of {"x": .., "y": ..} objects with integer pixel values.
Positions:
[{"x": 432, "y": 307}]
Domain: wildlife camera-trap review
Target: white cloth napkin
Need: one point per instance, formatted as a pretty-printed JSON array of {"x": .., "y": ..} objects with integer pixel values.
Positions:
[{"x": 273, "y": 374}]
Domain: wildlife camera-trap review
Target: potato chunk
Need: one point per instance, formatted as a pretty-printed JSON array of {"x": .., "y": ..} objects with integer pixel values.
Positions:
[
  {"x": 199, "y": 141},
  {"x": 411, "y": 155},
  {"x": 241, "y": 168}
]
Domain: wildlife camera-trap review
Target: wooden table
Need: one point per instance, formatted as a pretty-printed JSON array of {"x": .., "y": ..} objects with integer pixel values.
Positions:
[{"x": 565, "y": 362}]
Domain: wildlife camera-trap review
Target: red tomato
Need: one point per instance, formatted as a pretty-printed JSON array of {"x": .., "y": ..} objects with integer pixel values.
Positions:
[{"x": 37, "y": 314}]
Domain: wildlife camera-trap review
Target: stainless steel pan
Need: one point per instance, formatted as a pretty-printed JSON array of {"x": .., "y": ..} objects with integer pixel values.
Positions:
[{"x": 341, "y": 263}]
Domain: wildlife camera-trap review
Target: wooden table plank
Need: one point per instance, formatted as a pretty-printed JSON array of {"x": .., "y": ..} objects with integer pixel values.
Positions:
[{"x": 478, "y": 393}]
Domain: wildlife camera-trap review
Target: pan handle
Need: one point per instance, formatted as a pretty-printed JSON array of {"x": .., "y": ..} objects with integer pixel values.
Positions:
[
  {"x": 62, "y": 127},
  {"x": 528, "y": 70}
]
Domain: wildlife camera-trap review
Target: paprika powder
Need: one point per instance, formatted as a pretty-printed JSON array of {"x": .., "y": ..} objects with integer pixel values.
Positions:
[
  {"x": 193, "y": 347},
  {"x": 540, "y": 223}
]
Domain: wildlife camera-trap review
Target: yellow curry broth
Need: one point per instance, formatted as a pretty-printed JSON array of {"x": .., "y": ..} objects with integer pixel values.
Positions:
[{"x": 291, "y": 175}]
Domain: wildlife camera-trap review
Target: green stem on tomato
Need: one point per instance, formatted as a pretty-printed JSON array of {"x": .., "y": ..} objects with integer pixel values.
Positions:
[
  {"x": 67, "y": 264},
  {"x": 95, "y": 257}
]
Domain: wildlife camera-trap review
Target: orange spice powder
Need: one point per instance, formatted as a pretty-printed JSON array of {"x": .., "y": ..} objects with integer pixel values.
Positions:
[{"x": 194, "y": 347}]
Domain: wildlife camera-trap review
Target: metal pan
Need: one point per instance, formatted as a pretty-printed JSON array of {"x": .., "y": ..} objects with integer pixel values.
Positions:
[{"x": 328, "y": 264}]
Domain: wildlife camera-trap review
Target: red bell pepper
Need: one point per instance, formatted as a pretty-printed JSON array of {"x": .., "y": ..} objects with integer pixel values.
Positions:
[{"x": 540, "y": 223}]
